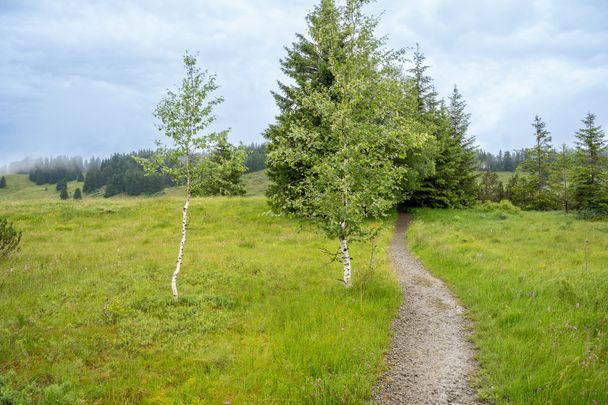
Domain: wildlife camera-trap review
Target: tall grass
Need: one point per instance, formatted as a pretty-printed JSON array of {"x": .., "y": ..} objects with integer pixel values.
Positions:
[
  {"x": 86, "y": 312},
  {"x": 536, "y": 285}
]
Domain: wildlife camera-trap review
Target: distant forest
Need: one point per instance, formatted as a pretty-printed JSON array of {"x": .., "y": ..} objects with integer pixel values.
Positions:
[
  {"x": 119, "y": 174},
  {"x": 502, "y": 162}
]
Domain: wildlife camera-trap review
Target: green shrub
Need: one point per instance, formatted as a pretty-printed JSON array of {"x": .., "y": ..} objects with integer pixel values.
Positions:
[
  {"x": 9, "y": 238},
  {"x": 505, "y": 206}
]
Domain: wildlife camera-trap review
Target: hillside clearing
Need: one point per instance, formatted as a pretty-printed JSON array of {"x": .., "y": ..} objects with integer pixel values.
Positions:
[
  {"x": 87, "y": 311},
  {"x": 536, "y": 286}
]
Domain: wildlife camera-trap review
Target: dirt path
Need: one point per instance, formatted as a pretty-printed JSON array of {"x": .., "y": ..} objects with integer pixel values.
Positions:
[{"x": 431, "y": 356}]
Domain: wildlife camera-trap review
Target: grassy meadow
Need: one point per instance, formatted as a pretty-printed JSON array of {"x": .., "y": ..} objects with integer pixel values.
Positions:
[
  {"x": 503, "y": 177},
  {"x": 20, "y": 188},
  {"x": 86, "y": 313},
  {"x": 536, "y": 286},
  {"x": 256, "y": 183}
]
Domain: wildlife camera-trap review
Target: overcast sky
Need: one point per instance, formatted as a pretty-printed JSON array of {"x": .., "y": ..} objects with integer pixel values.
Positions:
[{"x": 82, "y": 77}]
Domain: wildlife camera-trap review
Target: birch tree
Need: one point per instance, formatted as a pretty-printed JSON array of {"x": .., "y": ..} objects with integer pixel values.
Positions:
[
  {"x": 185, "y": 115},
  {"x": 345, "y": 161}
]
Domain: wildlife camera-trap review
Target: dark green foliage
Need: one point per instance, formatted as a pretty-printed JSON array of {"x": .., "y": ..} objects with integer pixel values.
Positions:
[
  {"x": 61, "y": 185},
  {"x": 520, "y": 190},
  {"x": 466, "y": 164},
  {"x": 339, "y": 151},
  {"x": 63, "y": 194},
  {"x": 423, "y": 89},
  {"x": 9, "y": 238},
  {"x": 590, "y": 180},
  {"x": 306, "y": 64},
  {"x": 77, "y": 194},
  {"x": 454, "y": 181},
  {"x": 80, "y": 177},
  {"x": 2, "y": 182},
  {"x": 537, "y": 167},
  {"x": 93, "y": 180},
  {"x": 491, "y": 189},
  {"x": 52, "y": 170},
  {"x": 502, "y": 162},
  {"x": 123, "y": 174},
  {"x": 256, "y": 157},
  {"x": 221, "y": 173}
]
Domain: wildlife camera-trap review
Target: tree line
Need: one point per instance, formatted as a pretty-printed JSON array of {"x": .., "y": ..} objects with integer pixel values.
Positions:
[
  {"x": 507, "y": 161},
  {"x": 54, "y": 169},
  {"x": 565, "y": 178},
  {"x": 256, "y": 157},
  {"x": 361, "y": 129},
  {"x": 121, "y": 173}
]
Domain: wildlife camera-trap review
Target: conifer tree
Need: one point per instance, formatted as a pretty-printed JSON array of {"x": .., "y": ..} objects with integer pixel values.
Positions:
[
  {"x": 423, "y": 88},
  {"x": 2, "y": 182},
  {"x": 307, "y": 65},
  {"x": 61, "y": 185},
  {"x": 537, "y": 165},
  {"x": 466, "y": 163},
  {"x": 590, "y": 180},
  {"x": 63, "y": 194},
  {"x": 333, "y": 153},
  {"x": 450, "y": 148},
  {"x": 90, "y": 181},
  {"x": 77, "y": 194}
]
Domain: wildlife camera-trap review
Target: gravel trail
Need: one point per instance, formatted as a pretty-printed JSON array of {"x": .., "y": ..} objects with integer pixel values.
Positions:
[{"x": 431, "y": 357}]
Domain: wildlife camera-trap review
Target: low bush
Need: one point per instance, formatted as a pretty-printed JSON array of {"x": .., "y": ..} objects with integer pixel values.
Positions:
[{"x": 9, "y": 238}]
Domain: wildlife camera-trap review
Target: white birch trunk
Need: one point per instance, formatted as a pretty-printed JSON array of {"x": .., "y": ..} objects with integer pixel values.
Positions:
[
  {"x": 345, "y": 256},
  {"x": 182, "y": 244}
]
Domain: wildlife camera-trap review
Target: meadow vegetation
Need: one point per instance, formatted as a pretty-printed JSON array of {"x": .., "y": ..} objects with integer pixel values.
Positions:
[
  {"x": 536, "y": 286},
  {"x": 87, "y": 315}
]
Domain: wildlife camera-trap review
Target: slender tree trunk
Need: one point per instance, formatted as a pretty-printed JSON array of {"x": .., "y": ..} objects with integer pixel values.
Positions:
[
  {"x": 182, "y": 244},
  {"x": 345, "y": 256}
]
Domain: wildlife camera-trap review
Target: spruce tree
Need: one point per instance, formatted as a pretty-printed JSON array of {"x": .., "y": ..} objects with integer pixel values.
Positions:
[
  {"x": 307, "y": 67},
  {"x": 466, "y": 163},
  {"x": 64, "y": 194},
  {"x": 590, "y": 180},
  {"x": 538, "y": 167},
  {"x": 90, "y": 181},
  {"x": 2, "y": 182},
  {"x": 333, "y": 152},
  {"x": 423, "y": 88},
  {"x": 77, "y": 194},
  {"x": 61, "y": 185},
  {"x": 450, "y": 148}
]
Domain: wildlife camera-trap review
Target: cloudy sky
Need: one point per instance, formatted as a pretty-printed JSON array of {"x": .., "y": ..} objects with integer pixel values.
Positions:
[{"x": 82, "y": 77}]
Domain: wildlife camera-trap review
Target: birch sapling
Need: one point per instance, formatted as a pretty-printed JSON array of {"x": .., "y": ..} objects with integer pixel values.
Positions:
[{"x": 185, "y": 115}]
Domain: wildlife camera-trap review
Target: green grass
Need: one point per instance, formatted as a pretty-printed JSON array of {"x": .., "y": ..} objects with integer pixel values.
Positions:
[
  {"x": 536, "y": 286},
  {"x": 86, "y": 312},
  {"x": 503, "y": 177},
  {"x": 19, "y": 187},
  {"x": 256, "y": 183}
]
